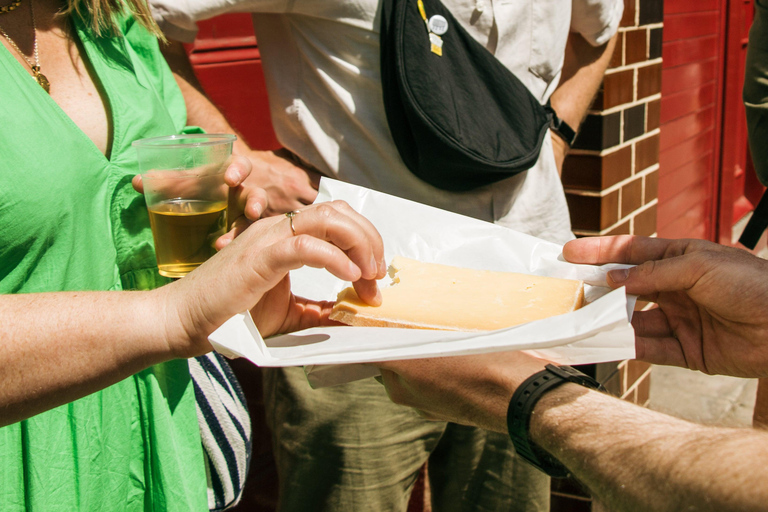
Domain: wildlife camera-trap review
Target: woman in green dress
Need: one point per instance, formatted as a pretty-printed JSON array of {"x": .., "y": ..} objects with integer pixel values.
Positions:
[{"x": 96, "y": 406}]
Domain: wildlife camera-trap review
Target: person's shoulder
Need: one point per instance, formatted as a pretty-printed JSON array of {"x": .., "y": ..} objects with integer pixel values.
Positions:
[
  {"x": 597, "y": 20},
  {"x": 178, "y": 18}
]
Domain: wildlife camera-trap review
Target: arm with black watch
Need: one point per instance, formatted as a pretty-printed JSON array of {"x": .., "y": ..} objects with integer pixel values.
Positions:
[
  {"x": 521, "y": 406},
  {"x": 562, "y": 130}
]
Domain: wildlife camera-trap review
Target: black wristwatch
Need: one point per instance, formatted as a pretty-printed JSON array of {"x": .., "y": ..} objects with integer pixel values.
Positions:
[
  {"x": 521, "y": 406},
  {"x": 563, "y": 130}
]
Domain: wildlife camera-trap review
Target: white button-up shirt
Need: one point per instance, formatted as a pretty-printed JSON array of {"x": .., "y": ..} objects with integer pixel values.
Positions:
[{"x": 321, "y": 63}]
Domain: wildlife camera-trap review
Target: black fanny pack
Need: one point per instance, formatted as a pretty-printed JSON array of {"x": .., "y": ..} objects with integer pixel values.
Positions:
[{"x": 459, "y": 118}]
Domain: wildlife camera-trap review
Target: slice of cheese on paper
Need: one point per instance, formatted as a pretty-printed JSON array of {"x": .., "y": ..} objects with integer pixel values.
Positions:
[{"x": 434, "y": 296}]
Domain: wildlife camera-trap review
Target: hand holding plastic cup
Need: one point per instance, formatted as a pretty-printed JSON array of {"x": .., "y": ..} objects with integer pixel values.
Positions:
[{"x": 183, "y": 177}]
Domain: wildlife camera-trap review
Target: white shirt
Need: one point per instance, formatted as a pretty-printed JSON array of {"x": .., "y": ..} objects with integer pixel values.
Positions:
[{"x": 321, "y": 64}]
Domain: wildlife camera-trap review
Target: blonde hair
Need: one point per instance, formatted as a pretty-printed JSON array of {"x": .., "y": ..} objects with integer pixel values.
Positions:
[{"x": 102, "y": 15}]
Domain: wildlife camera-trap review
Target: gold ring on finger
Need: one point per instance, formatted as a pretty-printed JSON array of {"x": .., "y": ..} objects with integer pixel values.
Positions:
[{"x": 290, "y": 216}]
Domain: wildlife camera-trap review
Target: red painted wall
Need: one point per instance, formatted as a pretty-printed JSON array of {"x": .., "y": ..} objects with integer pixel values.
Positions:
[
  {"x": 737, "y": 181},
  {"x": 706, "y": 183},
  {"x": 227, "y": 63},
  {"x": 690, "y": 110}
]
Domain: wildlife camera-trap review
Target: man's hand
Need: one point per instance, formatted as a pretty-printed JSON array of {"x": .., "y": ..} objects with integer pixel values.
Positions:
[
  {"x": 711, "y": 301},
  {"x": 289, "y": 186},
  {"x": 470, "y": 390},
  {"x": 246, "y": 201}
]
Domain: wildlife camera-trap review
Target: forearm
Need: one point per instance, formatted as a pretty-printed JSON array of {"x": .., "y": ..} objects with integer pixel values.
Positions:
[
  {"x": 200, "y": 110},
  {"x": 583, "y": 71},
  {"x": 636, "y": 459},
  {"x": 58, "y": 347}
]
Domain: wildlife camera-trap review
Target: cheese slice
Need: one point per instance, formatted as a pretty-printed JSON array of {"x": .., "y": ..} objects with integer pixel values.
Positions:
[{"x": 433, "y": 296}]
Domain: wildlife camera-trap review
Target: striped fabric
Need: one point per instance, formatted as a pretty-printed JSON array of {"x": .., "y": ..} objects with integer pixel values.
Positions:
[{"x": 225, "y": 429}]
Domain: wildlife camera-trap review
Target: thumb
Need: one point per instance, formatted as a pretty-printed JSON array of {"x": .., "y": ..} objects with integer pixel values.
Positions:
[{"x": 138, "y": 185}]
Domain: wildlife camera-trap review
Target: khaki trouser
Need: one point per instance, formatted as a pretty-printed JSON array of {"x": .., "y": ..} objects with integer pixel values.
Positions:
[{"x": 349, "y": 448}]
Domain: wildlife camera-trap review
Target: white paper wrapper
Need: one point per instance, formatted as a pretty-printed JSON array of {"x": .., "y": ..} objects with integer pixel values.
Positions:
[{"x": 598, "y": 332}]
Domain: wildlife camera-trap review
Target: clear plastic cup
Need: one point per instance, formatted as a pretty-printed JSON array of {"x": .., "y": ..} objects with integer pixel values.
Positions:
[{"x": 183, "y": 177}]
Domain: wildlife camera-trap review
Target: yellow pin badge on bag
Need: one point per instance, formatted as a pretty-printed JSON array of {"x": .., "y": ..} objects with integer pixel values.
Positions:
[
  {"x": 436, "y": 44},
  {"x": 436, "y": 26}
]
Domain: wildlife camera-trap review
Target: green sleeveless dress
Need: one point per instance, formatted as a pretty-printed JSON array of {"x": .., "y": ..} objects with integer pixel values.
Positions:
[{"x": 70, "y": 220}]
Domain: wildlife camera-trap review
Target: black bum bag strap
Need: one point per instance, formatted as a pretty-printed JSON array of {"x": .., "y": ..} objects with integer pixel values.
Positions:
[
  {"x": 757, "y": 224},
  {"x": 459, "y": 118}
]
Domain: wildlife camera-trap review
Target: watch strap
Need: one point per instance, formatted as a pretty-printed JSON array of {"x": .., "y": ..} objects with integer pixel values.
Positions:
[
  {"x": 563, "y": 130},
  {"x": 521, "y": 406}
]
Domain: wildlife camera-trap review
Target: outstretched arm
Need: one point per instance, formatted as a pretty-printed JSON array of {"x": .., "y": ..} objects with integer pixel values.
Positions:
[
  {"x": 633, "y": 458},
  {"x": 629, "y": 457},
  {"x": 58, "y": 347}
]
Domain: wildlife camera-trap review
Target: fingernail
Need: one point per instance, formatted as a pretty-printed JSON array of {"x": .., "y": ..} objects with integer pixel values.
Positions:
[
  {"x": 619, "y": 276},
  {"x": 259, "y": 210},
  {"x": 374, "y": 266}
]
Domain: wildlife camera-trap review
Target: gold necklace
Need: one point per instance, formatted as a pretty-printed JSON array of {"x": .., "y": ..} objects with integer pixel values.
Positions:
[
  {"x": 8, "y": 8},
  {"x": 39, "y": 77}
]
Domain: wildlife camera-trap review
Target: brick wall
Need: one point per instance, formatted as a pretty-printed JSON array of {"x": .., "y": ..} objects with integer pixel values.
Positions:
[
  {"x": 611, "y": 174},
  {"x": 611, "y": 180}
]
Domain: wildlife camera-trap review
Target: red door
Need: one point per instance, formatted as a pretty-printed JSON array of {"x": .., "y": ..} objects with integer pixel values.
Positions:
[
  {"x": 739, "y": 189},
  {"x": 691, "y": 106},
  {"x": 227, "y": 63},
  {"x": 706, "y": 180}
]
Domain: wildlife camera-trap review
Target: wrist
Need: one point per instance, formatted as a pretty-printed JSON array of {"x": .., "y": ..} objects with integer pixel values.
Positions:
[
  {"x": 176, "y": 322},
  {"x": 521, "y": 411},
  {"x": 240, "y": 147},
  {"x": 505, "y": 376},
  {"x": 559, "y": 145},
  {"x": 563, "y": 134},
  {"x": 552, "y": 415}
]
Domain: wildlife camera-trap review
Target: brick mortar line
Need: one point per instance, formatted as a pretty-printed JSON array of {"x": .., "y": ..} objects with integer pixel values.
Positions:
[
  {"x": 613, "y": 149},
  {"x": 619, "y": 108},
  {"x": 588, "y": 233},
  {"x": 649, "y": 26},
  {"x": 614, "y": 187},
  {"x": 635, "y": 65},
  {"x": 631, "y": 216}
]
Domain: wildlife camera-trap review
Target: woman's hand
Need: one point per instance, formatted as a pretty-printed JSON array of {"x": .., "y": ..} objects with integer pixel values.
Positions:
[
  {"x": 252, "y": 272},
  {"x": 246, "y": 201}
]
